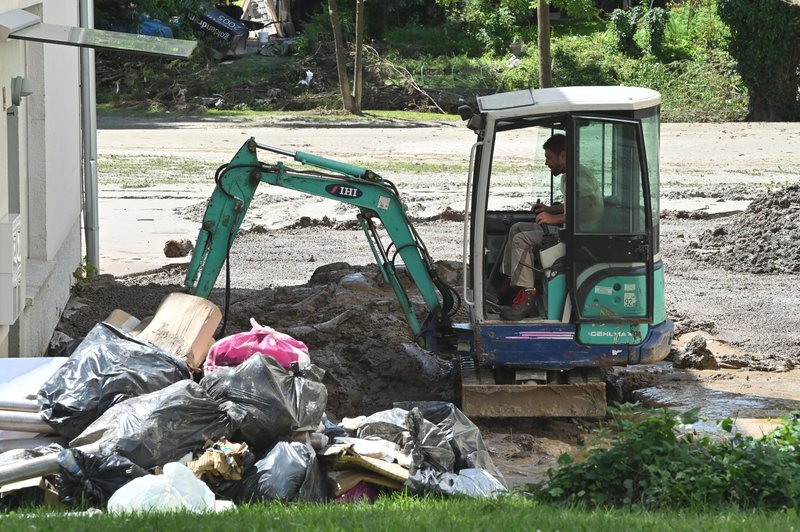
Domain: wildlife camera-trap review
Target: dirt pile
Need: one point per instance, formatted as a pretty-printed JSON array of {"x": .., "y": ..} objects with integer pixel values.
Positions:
[
  {"x": 762, "y": 239},
  {"x": 347, "y": 316}
]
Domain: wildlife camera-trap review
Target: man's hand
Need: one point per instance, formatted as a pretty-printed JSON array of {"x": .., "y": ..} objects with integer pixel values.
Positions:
[
  {"x": 549, "y": 218},
  {"x": 549, "y": 209}
]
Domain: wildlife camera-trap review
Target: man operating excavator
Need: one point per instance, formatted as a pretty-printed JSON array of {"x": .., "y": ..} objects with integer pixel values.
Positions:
[{"x": 525, "y": 238}]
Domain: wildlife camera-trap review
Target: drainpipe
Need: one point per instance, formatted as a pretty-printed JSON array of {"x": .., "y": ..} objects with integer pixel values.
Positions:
[{"x": 89, "y": 141}]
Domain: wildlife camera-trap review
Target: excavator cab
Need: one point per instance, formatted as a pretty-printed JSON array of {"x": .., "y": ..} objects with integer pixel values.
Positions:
[{"x": 598, "y": 280}]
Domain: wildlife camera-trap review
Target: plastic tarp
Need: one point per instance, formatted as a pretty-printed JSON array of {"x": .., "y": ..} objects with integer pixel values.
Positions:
[
  {"x": 94, "y": 478},
  {"x": 16, "y": 455},
  {"x": 175, "y": 491},
  {"x": 467, "y": 482},
  {"x": 425, "y": 442},
  {"x": 447, "y": 450},
  {"x": 266, "y": 403},
  {"x": 464, "y": 436},
  {"x": 288, "y": 472},
  {"x": 107, "y": 367},
  {"x": 158, "y": 427}
]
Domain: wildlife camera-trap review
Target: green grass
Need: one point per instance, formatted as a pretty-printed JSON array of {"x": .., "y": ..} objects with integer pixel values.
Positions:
[
  {"x": 255, "y": 69},
  {"x": 410, "y": 116},
  {"x": 147, "y": 171},
  {"x": 108, "y": 109},
  {"x": 404, "y": 513}
]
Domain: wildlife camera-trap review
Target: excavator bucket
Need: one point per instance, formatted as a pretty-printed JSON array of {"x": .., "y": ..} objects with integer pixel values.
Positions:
[{"x": 481, "y": 397}]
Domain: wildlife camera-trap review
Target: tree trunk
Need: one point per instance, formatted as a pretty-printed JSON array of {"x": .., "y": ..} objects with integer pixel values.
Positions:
[
  {"x": 341, "y": 56},
  {"x": 545, "y": 62},
  {"x": 358, "y": 74}
]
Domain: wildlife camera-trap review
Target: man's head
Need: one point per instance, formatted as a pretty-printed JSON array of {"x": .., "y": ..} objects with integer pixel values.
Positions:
[{"x": 555, "y": 153}]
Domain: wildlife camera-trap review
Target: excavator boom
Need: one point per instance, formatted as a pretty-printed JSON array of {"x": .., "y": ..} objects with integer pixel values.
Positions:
[{"x": 376, "y": 199}]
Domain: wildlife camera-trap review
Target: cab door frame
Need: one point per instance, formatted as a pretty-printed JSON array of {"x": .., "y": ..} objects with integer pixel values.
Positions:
[{"x": 604, "y": 249}]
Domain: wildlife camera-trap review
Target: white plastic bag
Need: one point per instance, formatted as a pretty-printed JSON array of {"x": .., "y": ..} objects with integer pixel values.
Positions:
[{"x": 176, "y": 490}]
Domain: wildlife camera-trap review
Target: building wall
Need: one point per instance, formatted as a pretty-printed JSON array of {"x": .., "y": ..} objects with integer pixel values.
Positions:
[{"x": 49, "y": 174}]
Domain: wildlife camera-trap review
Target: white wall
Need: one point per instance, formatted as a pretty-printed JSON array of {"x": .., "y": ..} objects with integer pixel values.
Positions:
[
  {"x": 12, "y": 63},
  {"x": 51, "y": 174}
]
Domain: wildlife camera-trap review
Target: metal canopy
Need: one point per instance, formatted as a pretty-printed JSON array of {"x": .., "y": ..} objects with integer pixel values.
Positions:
[{"x": 20, "y": 24}]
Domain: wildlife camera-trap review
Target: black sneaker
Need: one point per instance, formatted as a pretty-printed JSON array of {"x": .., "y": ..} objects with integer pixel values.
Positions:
[{"x": 524, "y": 306}]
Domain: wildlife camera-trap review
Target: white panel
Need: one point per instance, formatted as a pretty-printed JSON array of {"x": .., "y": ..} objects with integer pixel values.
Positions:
[{"x": 12, "y": 286}]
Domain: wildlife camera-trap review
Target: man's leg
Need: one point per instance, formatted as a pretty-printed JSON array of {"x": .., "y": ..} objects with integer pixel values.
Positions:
[{"x": 523, "y": 238}]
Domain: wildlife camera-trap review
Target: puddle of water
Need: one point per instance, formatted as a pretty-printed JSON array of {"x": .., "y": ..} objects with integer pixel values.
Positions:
[
  {"x": 709, "y": 205},
  {"x": 753, "y": 414}
]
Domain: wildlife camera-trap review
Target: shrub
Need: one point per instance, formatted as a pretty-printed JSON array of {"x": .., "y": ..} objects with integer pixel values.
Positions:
[
  {"x": 583, "y": 61},
  {"x": 449, "y": 39},
  {"x": 496, "y": 30},
  {"x": 623, "y": 31},
  {"x": 653, "y": 460},
  {"x": 523, "y": 75},
  {"x": 655, "y": 22}
]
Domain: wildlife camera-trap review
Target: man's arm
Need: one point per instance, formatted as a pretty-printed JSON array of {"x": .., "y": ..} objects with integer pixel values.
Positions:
[
  {"x": 549, "y": 214},
  {"x": 552, "y": 209}
]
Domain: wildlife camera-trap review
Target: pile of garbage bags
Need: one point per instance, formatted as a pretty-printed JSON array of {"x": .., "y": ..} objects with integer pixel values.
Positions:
[{"x": 140, "y": 433}]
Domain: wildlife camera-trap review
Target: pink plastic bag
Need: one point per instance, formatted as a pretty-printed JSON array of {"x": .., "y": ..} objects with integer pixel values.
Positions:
[
  {"x": 361, "y": 492},
  {"x": 235, "y": 349}
]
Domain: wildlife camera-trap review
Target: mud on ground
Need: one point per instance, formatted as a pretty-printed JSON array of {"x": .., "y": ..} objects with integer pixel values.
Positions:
[
  {"x": 726, "y": 238},
  {"x": 355, "y": 330}
]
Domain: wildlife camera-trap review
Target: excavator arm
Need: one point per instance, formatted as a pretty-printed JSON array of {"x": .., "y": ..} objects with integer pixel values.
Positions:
[{"x": 375, "y": 198}]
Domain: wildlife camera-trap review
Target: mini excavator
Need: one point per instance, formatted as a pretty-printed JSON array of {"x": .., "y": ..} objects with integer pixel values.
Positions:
[{"x": 599, "y": 286}]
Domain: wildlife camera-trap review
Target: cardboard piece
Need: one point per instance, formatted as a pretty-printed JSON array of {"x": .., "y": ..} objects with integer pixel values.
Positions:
[
  {"x": 51, "y": 499},
  {"x": 122, "y": 320},
  {"x": 184, "y": 325},
  {"x": 342, "y": 456},
  {"x": 223, "y": 459},
  {"x": 347, "y": 479}
]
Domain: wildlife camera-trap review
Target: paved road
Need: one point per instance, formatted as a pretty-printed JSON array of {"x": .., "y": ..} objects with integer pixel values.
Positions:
[{"x": 135, "y": 223}]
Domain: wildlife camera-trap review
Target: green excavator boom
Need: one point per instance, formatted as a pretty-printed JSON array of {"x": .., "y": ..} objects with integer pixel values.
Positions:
[{"x": 375, "y": 198}]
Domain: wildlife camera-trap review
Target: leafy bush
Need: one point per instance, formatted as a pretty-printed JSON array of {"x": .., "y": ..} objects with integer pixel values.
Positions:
[
  {"x": 655, "y": 22},
  {"x": 120, "y": 16},
  {"x": 653, "y": 460},
  {"x": 495, "y": 30},
  {"x": 523, "y": 75},
  {"x": 765, "y": 41},
  {"x": 695, "y": 27},
  {"x": 623, "y": 31},
  {"x": 584, "y": 61},
  {"x": 416, "y": 41}
]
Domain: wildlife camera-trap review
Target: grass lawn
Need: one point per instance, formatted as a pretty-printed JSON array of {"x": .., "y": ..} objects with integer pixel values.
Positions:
[{"x": 405, "y": 513}]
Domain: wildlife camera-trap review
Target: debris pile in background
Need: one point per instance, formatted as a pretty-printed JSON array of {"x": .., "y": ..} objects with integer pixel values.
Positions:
[
  {"x": 140, "y": 428},
  {"x": 762, "y": 239}
]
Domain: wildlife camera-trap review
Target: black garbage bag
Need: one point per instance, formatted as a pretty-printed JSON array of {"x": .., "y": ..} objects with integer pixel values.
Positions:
[
  {"x": 467, "y": 482},
  {"x": 106, "y": 368},
  {"x": 14, "y": 455},
  {"x": 464, "y": 436},
  {"x": 427, "y": 445},
  {"x": 158, "y": 427},
  {"x": 91, "y": 479},
  {"x": 289, "y": 472},
  {"x": 265, "y": 402}
]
